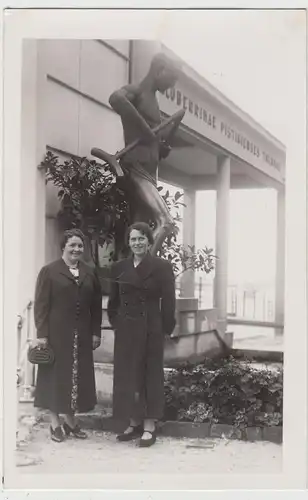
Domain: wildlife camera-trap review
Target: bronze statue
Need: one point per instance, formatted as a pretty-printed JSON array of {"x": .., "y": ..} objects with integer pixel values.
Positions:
[{"x": 147, "y": 140}]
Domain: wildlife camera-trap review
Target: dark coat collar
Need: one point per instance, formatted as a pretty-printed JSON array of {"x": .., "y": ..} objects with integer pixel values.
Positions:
[
  {"x": 136, "y": 275},
  {"x": 145, "y": 268},
  {"x": 63, "y": 269}
]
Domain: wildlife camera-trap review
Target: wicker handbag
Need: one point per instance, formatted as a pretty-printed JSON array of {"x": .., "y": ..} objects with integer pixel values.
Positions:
[{"x": 41, "y": 355}]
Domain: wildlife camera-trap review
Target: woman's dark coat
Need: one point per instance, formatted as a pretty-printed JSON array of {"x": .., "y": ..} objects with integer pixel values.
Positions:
[
  {"x": 141, "y": 310},
  {"x": 60, "y": 307}
]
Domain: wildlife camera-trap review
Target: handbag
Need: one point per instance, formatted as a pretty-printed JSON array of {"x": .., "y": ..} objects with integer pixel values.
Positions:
[{"x": 41, "y": 355}]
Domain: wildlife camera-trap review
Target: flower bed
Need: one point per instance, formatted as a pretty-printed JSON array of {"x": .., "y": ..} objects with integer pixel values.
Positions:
[{"x": 225, "y": 391}]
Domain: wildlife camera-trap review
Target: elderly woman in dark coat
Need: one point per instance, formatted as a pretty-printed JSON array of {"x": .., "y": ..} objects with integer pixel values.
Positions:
[
  {"x": 141, "y": 310},
  {"x": 68, "y": 314}
]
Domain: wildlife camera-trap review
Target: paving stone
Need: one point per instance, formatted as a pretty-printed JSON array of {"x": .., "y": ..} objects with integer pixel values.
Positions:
[
  {"x": 273, "y": 434},
  {"x": 101, "y": 452},
  {"x": 220, "y": 430},
  {"x": 254, "y": 434},
  {"x": 187, "y": 429}
]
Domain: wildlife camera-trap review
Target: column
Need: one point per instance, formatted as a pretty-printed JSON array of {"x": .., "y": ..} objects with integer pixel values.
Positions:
[
  {"x": 42, "y": 133},
  {"x": 28, "y": 171},
  {"x": 189, "y": 225},
  {"x": 222, "y": 229},
  {"x": 29, "y": 210},
  {"x": 280, "y": 258},
  {"x": 33, "y": 148}
]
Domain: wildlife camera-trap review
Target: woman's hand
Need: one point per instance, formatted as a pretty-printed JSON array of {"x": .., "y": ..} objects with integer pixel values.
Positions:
[
  {"x": 96, "y": 342},
  {"x": 42, "y": 342}
]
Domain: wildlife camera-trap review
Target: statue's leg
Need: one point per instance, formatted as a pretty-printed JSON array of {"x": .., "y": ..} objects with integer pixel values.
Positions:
[{"x": 149, "y": 196}]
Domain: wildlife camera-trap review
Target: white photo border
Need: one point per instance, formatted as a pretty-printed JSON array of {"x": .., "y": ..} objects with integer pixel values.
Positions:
[{"x": 21, "y": 24}]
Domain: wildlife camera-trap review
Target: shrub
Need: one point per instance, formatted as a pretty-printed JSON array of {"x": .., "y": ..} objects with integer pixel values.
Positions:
[
  {"x": 225, "y": 391},
  {"x": 92, "y": 200},
  {"x": 183, "y": 257}
]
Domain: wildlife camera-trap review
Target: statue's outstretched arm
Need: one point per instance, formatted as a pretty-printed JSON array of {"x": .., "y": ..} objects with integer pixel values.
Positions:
[
  {"x": 166, "y": 137},
  {"x": 122, "y": 102},
  {"x": 168, "y": 134}
]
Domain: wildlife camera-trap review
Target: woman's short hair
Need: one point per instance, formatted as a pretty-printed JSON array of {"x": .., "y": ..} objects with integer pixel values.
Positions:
[
  {"x": 144, "y": 228},
  {"x": 70, "y": 233}
]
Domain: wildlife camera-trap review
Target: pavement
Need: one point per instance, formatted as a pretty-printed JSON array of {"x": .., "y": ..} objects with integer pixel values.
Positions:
[
  {"x": 101, "y": 452},
  {"x": 258, "y": 338},
  {"x": 36, "y": 453}
]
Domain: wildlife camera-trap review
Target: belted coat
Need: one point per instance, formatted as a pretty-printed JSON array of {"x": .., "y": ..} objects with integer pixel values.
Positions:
[
  {"x": 64, "y": 309},
  {"x": 141, "y": 309}
]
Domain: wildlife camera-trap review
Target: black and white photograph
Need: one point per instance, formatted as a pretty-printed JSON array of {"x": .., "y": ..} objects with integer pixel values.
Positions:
[{"x": 149, "y": 296}]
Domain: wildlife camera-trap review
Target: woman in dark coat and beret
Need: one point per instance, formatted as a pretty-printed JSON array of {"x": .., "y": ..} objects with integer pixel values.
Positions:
[
  {"x": 68, "y": 314},
  {"x": 141, "y": 309}
]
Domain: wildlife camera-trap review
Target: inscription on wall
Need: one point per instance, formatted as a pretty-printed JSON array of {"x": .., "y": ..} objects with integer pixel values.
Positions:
[{"x": 220, "y": 125}]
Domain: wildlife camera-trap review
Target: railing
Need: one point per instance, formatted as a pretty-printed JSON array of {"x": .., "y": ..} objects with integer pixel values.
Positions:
[
  {"x": 246, "y": 303},
  {"x": 252, "y": 304},
  {"x": 25, "y": 370},
  {"x": 249, "y": 303}
]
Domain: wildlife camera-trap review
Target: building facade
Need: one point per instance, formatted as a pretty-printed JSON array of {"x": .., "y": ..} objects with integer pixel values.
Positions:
[{"x": 65, "y": 89}]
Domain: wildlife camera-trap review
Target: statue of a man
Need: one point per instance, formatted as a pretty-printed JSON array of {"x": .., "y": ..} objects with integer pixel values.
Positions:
[{"x": 138, "y": 107}]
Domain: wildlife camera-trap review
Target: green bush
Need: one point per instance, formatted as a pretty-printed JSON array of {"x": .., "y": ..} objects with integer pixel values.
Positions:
[
  {"x": 91, "y": 199},
  {"x": 225, "y": 391}
]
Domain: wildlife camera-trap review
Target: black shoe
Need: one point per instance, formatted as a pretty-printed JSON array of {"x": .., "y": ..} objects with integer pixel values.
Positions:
[
  {"x": 145, "y": 443},
  {"x": 76, "y": 431},
  {"x": 136, "y": 432},
  {"x": 57, "y": 434}
]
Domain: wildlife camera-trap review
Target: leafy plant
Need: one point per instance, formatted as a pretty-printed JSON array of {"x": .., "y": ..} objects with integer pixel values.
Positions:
[
  {"x": 183, "y": 257},
  {"x": 92, "y": 201},
  {"x": 90, "y": 198},
  {"x": 225, "y": 391}
]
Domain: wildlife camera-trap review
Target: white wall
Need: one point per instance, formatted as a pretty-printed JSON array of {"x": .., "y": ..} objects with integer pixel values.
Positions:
[
  {"x": 32, "y": 180},
  {"x": 80, "y": 76},
  {"x": 65, "y": 89}
]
